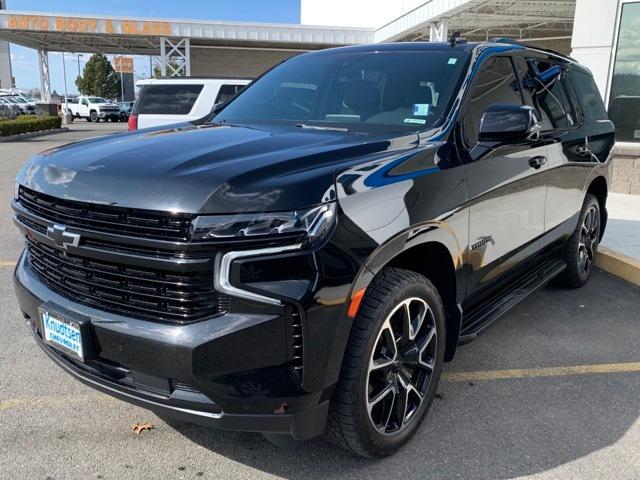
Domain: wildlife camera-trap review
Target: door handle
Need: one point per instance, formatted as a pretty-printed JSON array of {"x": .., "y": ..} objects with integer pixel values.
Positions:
[
  {"x": 537, "y": 162},
  {"x": 583, "y": 151}
]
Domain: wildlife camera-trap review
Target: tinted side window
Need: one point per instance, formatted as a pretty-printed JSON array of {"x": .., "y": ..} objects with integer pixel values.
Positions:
[
  {"x": 589, "y": 96},
  {"x": 496, "y": 83},
  {"x": 227, "y": 92},
  {"x": 167, "y": 99},
  {"x": 545, "y": 85}
]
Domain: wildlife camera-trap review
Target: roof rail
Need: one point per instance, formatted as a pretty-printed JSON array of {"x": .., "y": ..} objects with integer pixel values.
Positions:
[
  {"x": 456, "y": 39},
  {"x": 511, "y": 41}
]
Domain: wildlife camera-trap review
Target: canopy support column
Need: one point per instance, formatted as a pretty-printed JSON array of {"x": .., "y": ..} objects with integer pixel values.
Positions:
[
  {"x": 45, "y": 84},
  {"x": 175, "y": 58},
  {"x": 439, "y": 31}
]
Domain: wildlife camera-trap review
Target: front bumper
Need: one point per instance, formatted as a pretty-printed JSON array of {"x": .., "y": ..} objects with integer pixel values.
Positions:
[
  {"x": 109, "y": 114},
  {"x": 227, "y": 372}
]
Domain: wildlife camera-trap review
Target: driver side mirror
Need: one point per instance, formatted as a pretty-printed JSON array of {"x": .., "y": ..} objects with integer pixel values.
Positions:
[{"x": 506, "y": 123}]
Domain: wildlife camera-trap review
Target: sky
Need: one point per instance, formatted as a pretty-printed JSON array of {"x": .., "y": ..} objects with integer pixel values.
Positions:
[{"x": 24, "y": 60}]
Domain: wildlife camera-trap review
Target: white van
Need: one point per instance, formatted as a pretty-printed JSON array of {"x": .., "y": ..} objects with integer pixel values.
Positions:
[{"x": 163, "y": 101}]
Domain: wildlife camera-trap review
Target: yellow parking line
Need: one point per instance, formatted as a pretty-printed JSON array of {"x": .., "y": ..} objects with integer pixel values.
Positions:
[
  {"x": 7, "y": 263},
  {"x": 541, "y": 372}
]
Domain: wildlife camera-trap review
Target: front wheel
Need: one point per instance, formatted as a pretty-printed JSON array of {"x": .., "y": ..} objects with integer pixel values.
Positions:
[
  {"x": 392, "y": 365},
  {"x": 93, "y": 117},
  {"x": 582, "y": 246}
]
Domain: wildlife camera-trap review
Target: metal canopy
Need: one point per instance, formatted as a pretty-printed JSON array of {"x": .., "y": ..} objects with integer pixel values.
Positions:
[
  {"x": 533, "y": 20},
  {"x": 172, "y": 40},
  {"x": 142, "y": 36}
]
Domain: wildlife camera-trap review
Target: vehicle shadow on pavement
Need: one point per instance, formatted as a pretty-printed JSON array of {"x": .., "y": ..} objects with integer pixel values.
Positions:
[{"x": 502, "y": 428}]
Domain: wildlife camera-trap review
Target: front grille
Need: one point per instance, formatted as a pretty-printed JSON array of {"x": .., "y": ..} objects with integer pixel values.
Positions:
[
  {"x": 106, "y": 218},
  {"x": 133, "y": 291}
]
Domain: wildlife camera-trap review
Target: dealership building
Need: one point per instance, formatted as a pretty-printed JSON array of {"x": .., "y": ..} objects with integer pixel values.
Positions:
[{"x": 602, "y": 34}]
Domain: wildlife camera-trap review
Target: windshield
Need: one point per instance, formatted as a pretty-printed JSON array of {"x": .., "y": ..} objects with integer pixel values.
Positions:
[
  {"x": 410, "y": 90},
  {"x": 97, "y": 100}
]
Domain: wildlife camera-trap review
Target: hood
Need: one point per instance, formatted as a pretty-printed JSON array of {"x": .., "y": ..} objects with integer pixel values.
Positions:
[{"x": 206, "y": 168}]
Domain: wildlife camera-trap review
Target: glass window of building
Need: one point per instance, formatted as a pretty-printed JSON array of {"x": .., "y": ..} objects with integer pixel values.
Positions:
[{"x": 624, "y": 98}]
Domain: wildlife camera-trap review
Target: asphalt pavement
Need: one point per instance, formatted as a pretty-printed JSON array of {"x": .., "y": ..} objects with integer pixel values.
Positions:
[{"x": 551, "y": 391}]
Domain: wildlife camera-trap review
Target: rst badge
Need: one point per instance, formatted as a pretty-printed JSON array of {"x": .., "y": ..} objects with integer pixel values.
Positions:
[{"x": 62, "y": 238}]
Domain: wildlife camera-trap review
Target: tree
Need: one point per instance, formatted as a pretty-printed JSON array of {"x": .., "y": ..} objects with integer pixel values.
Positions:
[{"x": 99, "y": 78}]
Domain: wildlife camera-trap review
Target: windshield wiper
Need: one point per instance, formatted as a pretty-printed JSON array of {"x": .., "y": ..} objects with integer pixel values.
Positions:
[{"x": 317, "y": 127}]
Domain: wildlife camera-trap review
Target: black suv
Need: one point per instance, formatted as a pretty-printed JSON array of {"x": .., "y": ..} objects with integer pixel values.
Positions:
[{"x": 306, "y": 258}]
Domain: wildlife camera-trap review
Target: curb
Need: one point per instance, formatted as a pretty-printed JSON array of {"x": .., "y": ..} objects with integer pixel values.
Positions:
[
  {"x": 618, "y": 264},
  {"x": 24, "y": 136}
]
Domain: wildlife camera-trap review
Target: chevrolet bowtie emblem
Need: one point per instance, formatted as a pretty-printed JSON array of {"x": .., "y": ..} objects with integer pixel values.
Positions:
[{"x": 62, "y": 238}]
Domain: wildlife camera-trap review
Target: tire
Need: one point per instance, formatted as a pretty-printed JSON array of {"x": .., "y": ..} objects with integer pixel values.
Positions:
[
  {"x": 582, "y": 247},
  {"x": 93, "y": 116},
  {"x": 363, "y": 418}
]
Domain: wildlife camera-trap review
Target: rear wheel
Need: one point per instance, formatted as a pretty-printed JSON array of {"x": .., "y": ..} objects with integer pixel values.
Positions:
[
  {"x": 391, "y": 367},
  {"x": 582, "y": 247}
]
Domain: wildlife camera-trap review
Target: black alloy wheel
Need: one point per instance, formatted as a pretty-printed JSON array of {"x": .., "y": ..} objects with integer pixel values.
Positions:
[
  {"x": 401, "y": 365},
  {"x": 391, "y": 366},
  {"x": 581, "y": 248}
]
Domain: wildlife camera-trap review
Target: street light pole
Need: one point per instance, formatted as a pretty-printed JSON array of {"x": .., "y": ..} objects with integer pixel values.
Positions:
[
  {"x": 78, "y": 55},
  {"x": 64, "y": 74},
  {"x": 121, "y": 82}
]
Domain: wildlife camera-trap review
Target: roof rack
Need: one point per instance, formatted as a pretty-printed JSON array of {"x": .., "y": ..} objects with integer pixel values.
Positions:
[
  {"x": 456, "y": 39},
  {"x": 511, "y": 41}
]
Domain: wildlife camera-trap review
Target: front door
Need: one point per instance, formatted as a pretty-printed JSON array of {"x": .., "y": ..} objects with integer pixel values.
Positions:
[{"x": 506, "y": 189}]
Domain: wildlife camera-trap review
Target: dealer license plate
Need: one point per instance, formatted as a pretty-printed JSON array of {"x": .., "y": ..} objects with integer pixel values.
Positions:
[{"x": 62, "y": 333}]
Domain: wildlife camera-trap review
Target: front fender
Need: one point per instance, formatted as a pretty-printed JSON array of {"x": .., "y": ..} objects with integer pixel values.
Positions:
[{"x": 389, "y": 206}]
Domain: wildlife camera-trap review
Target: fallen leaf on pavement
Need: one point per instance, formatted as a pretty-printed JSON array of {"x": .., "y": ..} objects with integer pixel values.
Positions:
[{"x": 141, "y": 426}]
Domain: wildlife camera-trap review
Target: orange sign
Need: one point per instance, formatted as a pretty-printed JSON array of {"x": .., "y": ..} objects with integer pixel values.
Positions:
[
  {"x": 88, "y": 25},
  {"x": 123, "y": 64}
]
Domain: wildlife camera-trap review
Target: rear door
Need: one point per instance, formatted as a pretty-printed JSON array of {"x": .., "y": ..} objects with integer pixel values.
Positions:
[
  {"x": 576, "y": 138},
  {"x": 164, "y": 104},
  {"x": 507, "y": 194}
]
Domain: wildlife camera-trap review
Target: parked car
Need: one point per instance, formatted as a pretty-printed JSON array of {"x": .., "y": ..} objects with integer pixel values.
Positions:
[
  {"x": 8, "y": 110},
  {"x": 125, "y": 110},
  {"x": 15, "y": 92},
  {"x": 26, "y": 108},
  {"x": 6, "y": 113},
  {"x": 94, "y": 109},
  {"x": 164, "y": 101},
  {"x": 305, "y": 259}
]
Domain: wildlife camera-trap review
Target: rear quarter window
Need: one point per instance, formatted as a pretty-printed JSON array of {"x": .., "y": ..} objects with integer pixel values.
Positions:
[
  {"x": 167, "y": 99},
  {"x": 588, "y": 96}
]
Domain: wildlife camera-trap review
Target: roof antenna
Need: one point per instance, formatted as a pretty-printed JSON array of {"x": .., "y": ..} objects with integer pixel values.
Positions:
[{"x": 456, "y": 39}]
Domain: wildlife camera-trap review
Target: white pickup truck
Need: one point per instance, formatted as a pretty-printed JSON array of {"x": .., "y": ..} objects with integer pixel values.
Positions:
[{"x": 94, "y": 109}]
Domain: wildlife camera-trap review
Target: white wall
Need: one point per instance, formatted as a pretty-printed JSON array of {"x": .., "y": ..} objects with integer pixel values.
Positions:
[
  {"x": 593, "y": 32},
  {"x": 5, "y": 60},
  {"x": 354, "y": 13},
  {"x": 5, "y": 65}
]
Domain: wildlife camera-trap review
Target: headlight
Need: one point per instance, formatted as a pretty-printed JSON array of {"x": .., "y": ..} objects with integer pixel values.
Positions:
[{"x": 314, "y": 222}]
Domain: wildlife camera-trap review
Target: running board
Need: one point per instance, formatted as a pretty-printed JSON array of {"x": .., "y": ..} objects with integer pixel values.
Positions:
[{"x": 478, "y": 319}]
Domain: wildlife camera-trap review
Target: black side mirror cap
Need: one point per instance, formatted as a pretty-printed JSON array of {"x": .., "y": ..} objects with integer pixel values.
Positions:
[{"x": 505, "y": 123}]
